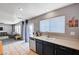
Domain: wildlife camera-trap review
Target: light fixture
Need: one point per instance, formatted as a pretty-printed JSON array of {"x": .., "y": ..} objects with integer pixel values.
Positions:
[
  {"x": 19, "y": 13},
  {"x": 20, "y": 9}
]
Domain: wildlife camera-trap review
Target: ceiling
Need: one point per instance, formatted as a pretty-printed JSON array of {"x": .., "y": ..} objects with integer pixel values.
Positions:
[{"x": 11, "y": 13}]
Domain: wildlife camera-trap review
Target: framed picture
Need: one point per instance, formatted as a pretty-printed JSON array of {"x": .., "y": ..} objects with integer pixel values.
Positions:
[{"x": 73, "y": 22}]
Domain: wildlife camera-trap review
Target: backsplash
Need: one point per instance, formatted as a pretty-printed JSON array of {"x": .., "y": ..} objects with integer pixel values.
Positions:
[{"x": 59, "y": 35}]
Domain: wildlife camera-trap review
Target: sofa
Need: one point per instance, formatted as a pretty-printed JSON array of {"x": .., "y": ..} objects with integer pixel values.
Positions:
[
  {"x": 18, "y": 37},
  {"x": 4, "y": 35}
]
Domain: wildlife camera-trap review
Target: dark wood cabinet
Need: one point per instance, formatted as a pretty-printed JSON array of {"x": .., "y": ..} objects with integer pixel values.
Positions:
[
  {"x": 61, "y": 50},
  {"x": 39, "y": 47},
  {"x": 48, "y": 48}
]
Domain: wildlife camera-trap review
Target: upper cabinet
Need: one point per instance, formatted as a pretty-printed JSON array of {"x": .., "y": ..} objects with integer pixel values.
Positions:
[{"x": 56, "y": 24}]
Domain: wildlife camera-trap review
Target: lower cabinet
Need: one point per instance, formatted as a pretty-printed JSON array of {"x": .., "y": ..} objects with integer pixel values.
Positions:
[
  {"x": 61, "y": 50},
  {"x": 39, "y": 47},
  {"x": 44, "y": 48},
  {"x": 48, "y": 48}
]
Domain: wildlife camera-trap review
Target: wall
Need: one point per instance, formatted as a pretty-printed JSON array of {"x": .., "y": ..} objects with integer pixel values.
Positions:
[
  {"x": 68, "y": 12},
  {"x": 6, "y": 28}
]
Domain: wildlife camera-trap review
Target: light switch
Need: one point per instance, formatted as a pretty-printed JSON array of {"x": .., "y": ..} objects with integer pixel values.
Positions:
[{"x": 72, "y": 33}]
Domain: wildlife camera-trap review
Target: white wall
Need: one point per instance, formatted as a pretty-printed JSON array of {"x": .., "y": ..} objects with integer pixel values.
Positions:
[{"x": 6, "y": 28}]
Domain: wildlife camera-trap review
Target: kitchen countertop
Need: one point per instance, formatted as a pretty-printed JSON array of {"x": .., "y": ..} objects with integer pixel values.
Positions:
[{"x": 60, "y": 41}]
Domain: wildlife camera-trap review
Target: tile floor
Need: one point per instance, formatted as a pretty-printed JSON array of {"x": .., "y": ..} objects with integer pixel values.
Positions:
[{"x": 16, "y": 47}]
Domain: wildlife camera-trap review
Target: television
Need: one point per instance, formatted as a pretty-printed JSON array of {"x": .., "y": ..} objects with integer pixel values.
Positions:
[{"x": 1, "y": 28}]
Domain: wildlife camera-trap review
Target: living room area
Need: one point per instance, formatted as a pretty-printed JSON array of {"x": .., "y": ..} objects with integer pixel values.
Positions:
[{"x": 12, "y": 38}]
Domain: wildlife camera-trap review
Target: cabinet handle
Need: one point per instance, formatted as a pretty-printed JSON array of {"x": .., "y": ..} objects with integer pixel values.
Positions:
[
  {"x": 62, "y": 48},
  {"x": 55, "y": 52}
]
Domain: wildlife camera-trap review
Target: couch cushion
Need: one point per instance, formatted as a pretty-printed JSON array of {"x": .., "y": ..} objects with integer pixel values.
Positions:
[
  {"x": 3, "y": 34},
  {"x": 4, "y": 37}
]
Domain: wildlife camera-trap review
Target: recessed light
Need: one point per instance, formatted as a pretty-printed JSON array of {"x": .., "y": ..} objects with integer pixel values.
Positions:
[{"x": 21, "y": 9}]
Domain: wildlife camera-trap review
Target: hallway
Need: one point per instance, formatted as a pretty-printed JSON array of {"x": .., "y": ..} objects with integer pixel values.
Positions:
[{"x": 16, "y": 47}]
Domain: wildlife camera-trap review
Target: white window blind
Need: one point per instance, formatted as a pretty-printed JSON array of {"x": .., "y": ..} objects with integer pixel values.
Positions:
[{"x": 56, "y": 24}]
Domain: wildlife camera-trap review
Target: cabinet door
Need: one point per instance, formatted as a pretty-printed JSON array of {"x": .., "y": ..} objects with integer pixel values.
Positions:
[
  {"x": 48, "y": 48},
  {"x": 60, "y": 50},
  {"x": 39, "y": 47}
]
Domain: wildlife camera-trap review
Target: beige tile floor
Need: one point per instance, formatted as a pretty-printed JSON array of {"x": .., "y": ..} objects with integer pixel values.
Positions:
[{"x": 16, "y": 47}]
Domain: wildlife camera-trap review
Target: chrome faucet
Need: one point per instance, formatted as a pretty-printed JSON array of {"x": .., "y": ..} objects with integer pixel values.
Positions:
[{"x": 47, "y": 35}]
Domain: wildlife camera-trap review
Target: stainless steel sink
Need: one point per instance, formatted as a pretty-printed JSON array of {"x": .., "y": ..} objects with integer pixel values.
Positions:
[{"x": 48, "y": 38}]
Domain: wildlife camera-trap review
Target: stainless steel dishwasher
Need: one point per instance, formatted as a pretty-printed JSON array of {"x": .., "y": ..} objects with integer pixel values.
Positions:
[{"x": 32, "y": 44}]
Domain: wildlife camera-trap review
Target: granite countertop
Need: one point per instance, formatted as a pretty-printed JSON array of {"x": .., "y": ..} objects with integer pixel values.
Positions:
[{"x": 61, "y": 41}]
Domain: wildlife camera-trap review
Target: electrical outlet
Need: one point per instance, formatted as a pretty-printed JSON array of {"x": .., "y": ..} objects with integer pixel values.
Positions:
[{"x": 72, "y": 33}]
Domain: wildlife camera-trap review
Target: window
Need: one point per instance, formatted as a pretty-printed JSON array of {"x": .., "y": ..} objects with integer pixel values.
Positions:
[
  {"x": 44, "y": 25},
  {"x": 56, "y": 24},
  {"x": 18, "y": 29}
]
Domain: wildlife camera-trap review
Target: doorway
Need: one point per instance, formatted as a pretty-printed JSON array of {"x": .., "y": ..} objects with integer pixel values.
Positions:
[{"x": 31, "y": 29}]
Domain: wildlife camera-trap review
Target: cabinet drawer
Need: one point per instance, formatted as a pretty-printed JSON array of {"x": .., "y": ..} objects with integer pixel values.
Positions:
[
  {"x": 47, "y": 43},
  {"x": 38, "y": 41}
]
